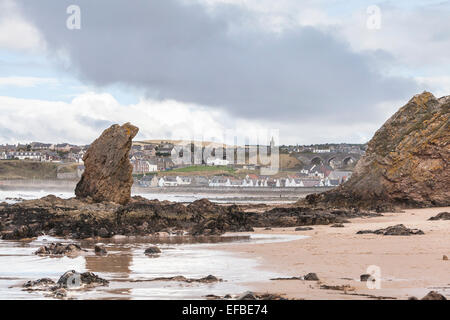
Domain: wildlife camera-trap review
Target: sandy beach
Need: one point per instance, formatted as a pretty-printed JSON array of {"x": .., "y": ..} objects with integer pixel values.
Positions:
[{"x": 409, "y": 265}]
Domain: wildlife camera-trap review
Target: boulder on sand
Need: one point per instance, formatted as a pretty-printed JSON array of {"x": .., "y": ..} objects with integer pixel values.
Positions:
[
  {"x": 311, "y": 277},
  {"x": 441, "y": 216},
  {"x": 108, "y": 171},
  {"x": 433, "y": 295},
  {"x": 397, "y": 230}
]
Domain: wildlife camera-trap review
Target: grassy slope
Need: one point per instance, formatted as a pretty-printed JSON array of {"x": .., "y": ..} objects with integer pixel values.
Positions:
[
  {"x": 200, "y": 171},
  {"x": 18, "y": 169}
]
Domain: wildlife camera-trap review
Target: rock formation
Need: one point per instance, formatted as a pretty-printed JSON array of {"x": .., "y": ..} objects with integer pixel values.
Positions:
[
  {"x": 406, "y": 163},
  {"x": 79, "y": 219},
  {"x": 108, "y": 171},
  {"x": 397, "y": 230}
]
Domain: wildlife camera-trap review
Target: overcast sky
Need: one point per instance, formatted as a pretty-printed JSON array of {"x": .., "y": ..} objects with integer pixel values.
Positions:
[{"x": 315, "y": 70}]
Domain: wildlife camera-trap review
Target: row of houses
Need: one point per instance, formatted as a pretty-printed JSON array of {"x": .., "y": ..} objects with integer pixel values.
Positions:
[
  {"x": 21, "y": 156},
  {"x": 248, "y": 181},
  {"x": 43, "y": 156},
  {"x": 324, "y": 148}
]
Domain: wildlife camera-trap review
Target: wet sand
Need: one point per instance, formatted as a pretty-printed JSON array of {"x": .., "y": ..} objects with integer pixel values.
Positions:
[
  {"x": 409, "y": 265},
  {"x": 130, "y": 271}
]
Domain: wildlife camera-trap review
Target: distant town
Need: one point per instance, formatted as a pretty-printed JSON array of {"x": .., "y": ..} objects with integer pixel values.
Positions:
[{"x": 155, "y": 164}]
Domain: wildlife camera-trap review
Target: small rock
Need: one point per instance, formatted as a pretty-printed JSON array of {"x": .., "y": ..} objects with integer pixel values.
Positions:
[
  {"x": 433, "y": 295},
  {"x": 73, "y": 279},
  {"x": 210, "y": 278},
  {"x": 444, "y": 257},
  {"x": 60, "y": 249},
  {"x": 413, "y": 298},
  {"x": 311, "y": 277},
  {"x": 268, "y": 228},
  {"x": 364, "y": 277},
  {"x": 152, "y": 250},
  {"x": 344, "y": 287},
  {"x": 44, "y": 282},
  {"x": 103, "y": 233},
  {"x": 247, "y": 296},
  {"x": 60, "y": 293},
  {"x": 397, "y": 230},
  {"x": 337, "y": 225},
  {"x": 441, "y": 216},
  {"x": 100, "y": 250},
  {"x": 303, "y": 229}
]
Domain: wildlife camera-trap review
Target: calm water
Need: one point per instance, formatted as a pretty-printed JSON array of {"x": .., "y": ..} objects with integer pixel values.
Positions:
[
  {"x": 127, "y": 267},
  {"x": 10, "y": 195}
]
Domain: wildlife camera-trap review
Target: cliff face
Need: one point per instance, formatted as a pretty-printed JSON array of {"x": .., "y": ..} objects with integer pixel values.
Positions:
[
  {"x": 406, "y": 163},
  {"x": 108, "y": 171}
]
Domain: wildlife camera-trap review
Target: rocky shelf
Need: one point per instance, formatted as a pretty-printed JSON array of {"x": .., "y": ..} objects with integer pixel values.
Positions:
[{"x": 81, "y": 219}]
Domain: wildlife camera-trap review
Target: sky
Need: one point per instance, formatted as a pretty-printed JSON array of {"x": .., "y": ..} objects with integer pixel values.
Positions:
[{"x": 316, "y": 71}]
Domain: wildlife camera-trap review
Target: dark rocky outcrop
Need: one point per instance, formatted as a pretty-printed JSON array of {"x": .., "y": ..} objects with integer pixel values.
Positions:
[
  {"x": 303, "y": 229},
  {"x": 208, "y": 279},
  {"x": 152, "y": 250},
  {"x": 311, "y": 277},
  {"x": 69, "y": 280},
  {"x": 406, "y": 163},
  {"x": 365, "y": 277},
  {"x": 100, "y": 250},
  {"x": 342, "y": 287},
  {"x": 303, "y": 216},
  {"x": 397, "y": 230},
  {"x": 288, "y": 278},
  {"x": 80, "y": 219},
  {"x": 39, "y": 284},
  {"x": 433, "y": 295},
  {"x": 108, "y": 171},
  {"x": 441, "y": 216},
  {"x": 249, "y": 295},
  {"x": 337, "y": 225},
  {"x": 73, "y": 279}
]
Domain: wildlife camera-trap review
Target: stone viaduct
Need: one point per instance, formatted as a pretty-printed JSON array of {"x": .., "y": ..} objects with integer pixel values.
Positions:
[{"x": 334, "y": 159}]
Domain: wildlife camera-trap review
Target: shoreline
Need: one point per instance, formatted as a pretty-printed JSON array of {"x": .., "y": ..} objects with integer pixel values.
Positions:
[
  {"x": 183, "y": 194},
  {"x": 410, "y": 265}
]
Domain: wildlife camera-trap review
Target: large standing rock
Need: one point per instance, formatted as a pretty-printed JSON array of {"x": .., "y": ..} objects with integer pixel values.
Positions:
[
  {"x": 108, "y": 171},
  {"x": 406, "y": 163}
]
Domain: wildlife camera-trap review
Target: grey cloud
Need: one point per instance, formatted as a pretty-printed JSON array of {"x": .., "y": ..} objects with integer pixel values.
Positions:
[
  {"x": 94, "y": 123},
  {"x": 181, "y": 51}
]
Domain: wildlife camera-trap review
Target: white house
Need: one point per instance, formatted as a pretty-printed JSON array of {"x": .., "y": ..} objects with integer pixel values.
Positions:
[
  {"x": 220, "y": 182},
  {"x": 168, "y": 182},
  {"x": 294, "y": 183},
  {"x": 321, "y": 150},
  {"x": 183, "y": 180},
  {"x": 25, "y": 155},
  {"x": 216, "y": 162},
  {"x": 342, "y": 176}
]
